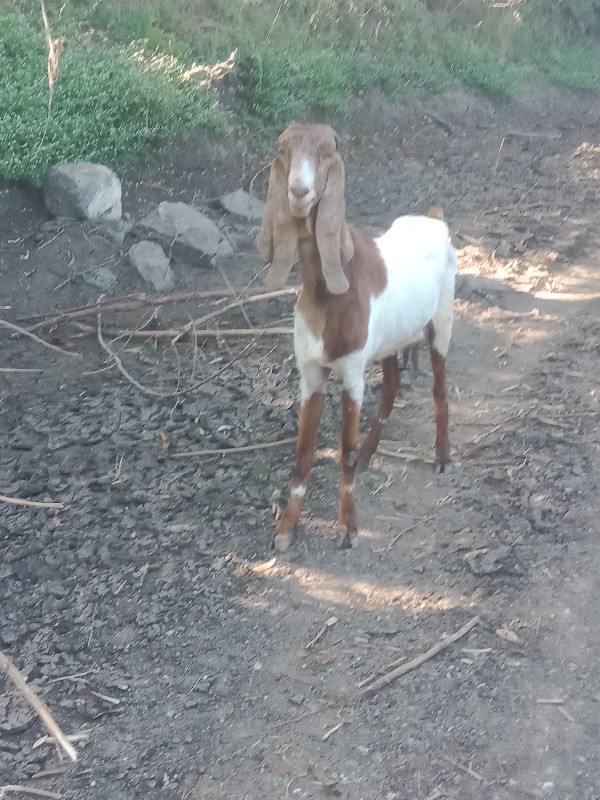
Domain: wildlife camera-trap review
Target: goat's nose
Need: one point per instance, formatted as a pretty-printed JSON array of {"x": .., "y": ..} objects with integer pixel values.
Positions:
[{"x": 299, "y": 191}]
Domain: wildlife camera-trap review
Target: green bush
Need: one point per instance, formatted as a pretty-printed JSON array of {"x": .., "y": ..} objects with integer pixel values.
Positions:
[{"x": 108, "y": 104}]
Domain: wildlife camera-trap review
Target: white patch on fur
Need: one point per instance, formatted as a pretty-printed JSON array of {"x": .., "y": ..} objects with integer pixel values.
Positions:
[
  {"x": 349, "y": 488},
  {"x": 301, "y": 182},
  {"x": 420, "y": 264},
  {"x": 299, "y": 491}
]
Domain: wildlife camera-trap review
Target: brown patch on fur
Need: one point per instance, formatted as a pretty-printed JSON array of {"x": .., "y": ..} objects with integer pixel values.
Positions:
[
  {"x": 436, "y": 212},
  {"x": 341, "y": 320}
]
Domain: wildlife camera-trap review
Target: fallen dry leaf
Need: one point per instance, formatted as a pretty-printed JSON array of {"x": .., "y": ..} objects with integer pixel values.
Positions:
[{"x": 509, "y": 636}]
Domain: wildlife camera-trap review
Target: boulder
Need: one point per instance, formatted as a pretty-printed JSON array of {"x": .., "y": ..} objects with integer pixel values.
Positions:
[
  {"x": 83, "y": 191},
  {"x": 185, "y": 232},
  {"x": 243, "y": 204},
  {"x": 149, "y": 260}
]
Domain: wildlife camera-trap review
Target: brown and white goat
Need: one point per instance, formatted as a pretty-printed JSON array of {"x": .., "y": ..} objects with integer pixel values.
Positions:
[{"x": 362, "y": 299}]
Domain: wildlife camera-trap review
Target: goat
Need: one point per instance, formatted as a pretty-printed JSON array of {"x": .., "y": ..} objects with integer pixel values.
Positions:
[{"x": 362, "y": 299}]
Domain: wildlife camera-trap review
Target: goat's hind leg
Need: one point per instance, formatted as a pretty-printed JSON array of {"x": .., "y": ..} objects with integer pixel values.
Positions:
[
  {"x": 440, "y": 402},
  {"x": 348, "y": 535},
  {"x": 389, "y": 392},
  {"x": 308, "y": 426}
]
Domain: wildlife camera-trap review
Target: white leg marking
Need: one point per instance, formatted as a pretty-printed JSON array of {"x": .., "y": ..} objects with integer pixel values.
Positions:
[
  {"x": 311, "y": 379},
  {"x": 298, "y": 491}
]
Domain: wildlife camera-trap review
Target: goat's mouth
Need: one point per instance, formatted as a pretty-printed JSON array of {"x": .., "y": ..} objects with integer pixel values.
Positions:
[{"x": 301, "y": 206}]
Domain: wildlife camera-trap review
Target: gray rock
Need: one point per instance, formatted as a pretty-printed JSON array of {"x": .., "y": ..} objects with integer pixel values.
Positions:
[
  {"x": 188, "y": 234},
  {"x": 243, "y": 204},
  {"x": 102, "y": 278},
  {"x": 489, "y": 562},
  {"x": 84, "y": 191},
  {"x": 116, "y": 230},
  {"x": 152, "y": 264}
]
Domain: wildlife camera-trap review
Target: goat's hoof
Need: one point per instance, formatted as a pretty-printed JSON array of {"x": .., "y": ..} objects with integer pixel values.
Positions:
[
  {"x": 445, "y": 466},
  {"x": 282, "y": 541},
  {"x": 347, "y": 540}
]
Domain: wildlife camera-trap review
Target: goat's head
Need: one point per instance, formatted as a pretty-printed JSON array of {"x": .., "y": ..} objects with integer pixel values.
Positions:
[{"x": 307, "y": 173}]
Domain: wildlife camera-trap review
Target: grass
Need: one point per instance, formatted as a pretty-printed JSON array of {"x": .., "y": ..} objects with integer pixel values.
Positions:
[{"x": 122, "y": 87}]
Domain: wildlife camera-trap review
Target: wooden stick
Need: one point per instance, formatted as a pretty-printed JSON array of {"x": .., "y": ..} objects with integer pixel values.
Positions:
[
  {"x": 18, "y": 789},
  {"x": 16, "y": 501},
  {"x": 238, "y": 302},
  {"x": 405, "y": 456},
  {"x": 464, "y": 768},
  {"x": 206, "y": 333},
  {"x": 398, "y": 536},
  {"x": 224, "y": 451},
  {"x": 135, "y": 302},
  {"x": 524, "y": 206},
  {"x": 4, "y": 370},
  {"x": 37, "y": 704},
  {"x": 123, "y": 371},
  {"x": 535, "y": 134},
  {"x": 385, "y": 680},
  {"x": 24, "y": 332}
]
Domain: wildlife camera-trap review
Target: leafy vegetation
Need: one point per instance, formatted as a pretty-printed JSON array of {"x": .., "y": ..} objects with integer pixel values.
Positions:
[{"x": 123, "y": 84}]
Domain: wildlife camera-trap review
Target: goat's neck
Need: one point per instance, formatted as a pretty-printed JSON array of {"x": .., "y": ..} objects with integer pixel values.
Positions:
[{"x": 313, "y": 284}]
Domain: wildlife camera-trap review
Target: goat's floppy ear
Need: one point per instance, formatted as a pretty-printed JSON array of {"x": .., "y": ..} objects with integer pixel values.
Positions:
[
  {"x": 277, "y": 241},
  {"x": 331, "y": 230}
]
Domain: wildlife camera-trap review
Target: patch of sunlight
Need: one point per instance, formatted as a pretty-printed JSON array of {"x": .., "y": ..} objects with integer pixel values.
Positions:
[
  {"x": 201, "y": 74},
  {"x": 585, "y": 162},
  {"x": 351, "y": 593}
]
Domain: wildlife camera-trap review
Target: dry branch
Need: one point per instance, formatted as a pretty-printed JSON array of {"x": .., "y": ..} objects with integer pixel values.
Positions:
[
  {"x": 135, "y": 302},
  {"x": 16, "y": 501},
  {"x": 238, "y": 302},
  {"x": 23, "y": 332},
  {"x": 385, "y": 680},
  {"x": 206, "y": 333},
  {"x": 37, "y": 704},
  {"x": 19, "y": 789},
  {"x": 224, "y": 451}
]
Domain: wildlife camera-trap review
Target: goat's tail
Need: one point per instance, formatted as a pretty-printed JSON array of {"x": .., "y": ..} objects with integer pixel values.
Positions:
[{"x": 436, "y": 212}]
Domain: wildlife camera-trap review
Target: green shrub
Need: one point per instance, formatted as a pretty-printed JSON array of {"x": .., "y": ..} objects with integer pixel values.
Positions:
[{"x": 108, "y": 104}]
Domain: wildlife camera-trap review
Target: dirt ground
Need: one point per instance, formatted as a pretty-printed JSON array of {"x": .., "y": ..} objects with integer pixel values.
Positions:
[{"x": 150, "y": 614}]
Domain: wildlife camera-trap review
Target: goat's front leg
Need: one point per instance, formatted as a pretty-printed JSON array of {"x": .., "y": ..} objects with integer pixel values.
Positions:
[
  {"x": 348, "y": 536},
  {"x": 389, "y": 392},
  {"x": 311, "y": 408}
]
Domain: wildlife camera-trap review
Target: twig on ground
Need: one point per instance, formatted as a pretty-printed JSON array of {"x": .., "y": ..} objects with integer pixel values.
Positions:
[
  {"x": 328, "y": 624},
  {"x": 404, "y": 456},
  {"x": 237, "y": 302},
  {"x": 464, "y": 768},
  {"x": 119, "y": 364},
  {"x": 506, "y": 209},
  {"x": 48, "y": 773},
  {"x": 331, "y": 731},
  {"x": 18, "y": 789},
  {"x": 534, "y": 134},
  {"x": 16, "y": 501},
  {"x": 37, "y": 704},
  {"x": 23, "y": 332},
  {"x": 385, "y": 680},
  {"x": 134, "y": 302},
  {"x": 5, "y": 370},
  {"x": 204, "y": 333},
  {"x": 229, "y": 450},
  {"x": 398, "y": 536}
]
